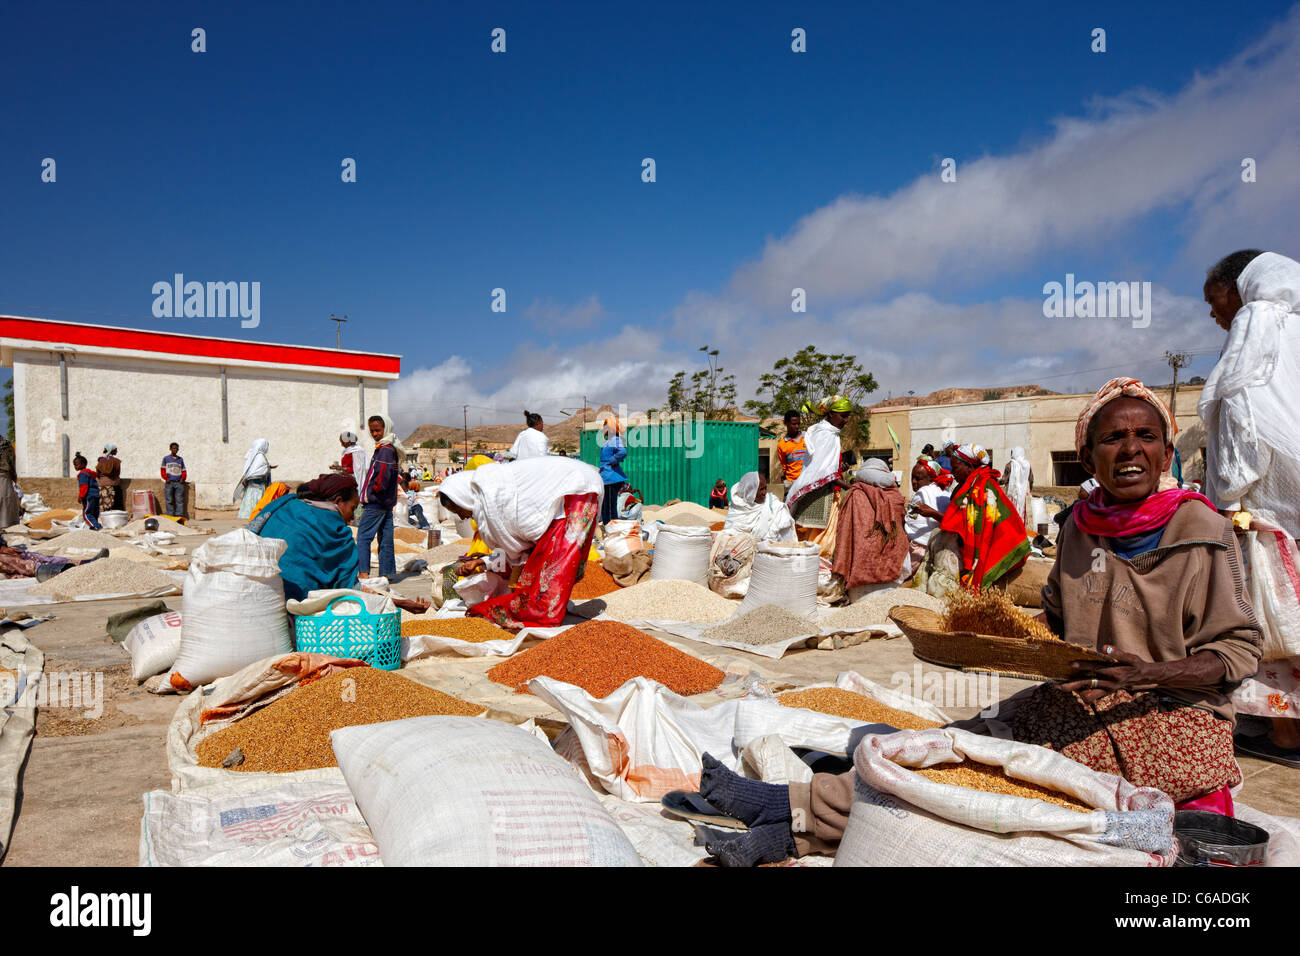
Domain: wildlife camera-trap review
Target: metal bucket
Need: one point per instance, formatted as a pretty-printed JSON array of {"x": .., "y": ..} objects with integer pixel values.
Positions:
[{"x": 1211, "y": 839}]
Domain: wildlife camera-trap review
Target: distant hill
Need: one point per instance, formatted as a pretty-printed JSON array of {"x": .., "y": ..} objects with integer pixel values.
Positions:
[
  {"x": 560, "y": 433},
  {"x": 953, "y": 396}
]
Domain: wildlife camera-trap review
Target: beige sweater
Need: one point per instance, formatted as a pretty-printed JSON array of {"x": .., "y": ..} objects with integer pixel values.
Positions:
[{"x": 1186, "y": 595}]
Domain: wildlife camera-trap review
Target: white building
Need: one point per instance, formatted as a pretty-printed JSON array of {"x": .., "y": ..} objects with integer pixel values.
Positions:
[{"x": 77, "y": 387}]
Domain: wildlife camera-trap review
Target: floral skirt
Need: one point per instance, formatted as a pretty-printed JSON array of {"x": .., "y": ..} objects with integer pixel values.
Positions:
[
  {"x": 541, "y": 593},
  {"x": 1184, "y": 751}
]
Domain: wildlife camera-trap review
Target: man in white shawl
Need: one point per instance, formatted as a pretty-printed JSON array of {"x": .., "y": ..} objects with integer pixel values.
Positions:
[
  {"x": 539, "y": 513},
  {"x": 1249, "y": 405},
  {"x": 811, "y": 497},
  {"x": 754, "y": 512}
]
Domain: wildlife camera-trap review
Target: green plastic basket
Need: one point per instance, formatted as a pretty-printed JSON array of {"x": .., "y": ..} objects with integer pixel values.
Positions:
[{"x": 373, "y": 638}]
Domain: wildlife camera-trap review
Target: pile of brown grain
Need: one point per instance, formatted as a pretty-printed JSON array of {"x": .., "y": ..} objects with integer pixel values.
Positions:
[
  {"x": 474, "y": 630},
  {"x": 294, "y": 732},
  {"x": 596, "y": 582},
  {"x": 844, "y": 703},
  {"x": 974, "y": 775},
  {"x": 601, "y": 656},
  {"x": 992, "y": 612}
]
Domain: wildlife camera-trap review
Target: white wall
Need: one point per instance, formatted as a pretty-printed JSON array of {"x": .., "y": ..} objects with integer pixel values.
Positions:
[{"x": 143, "y": 405}]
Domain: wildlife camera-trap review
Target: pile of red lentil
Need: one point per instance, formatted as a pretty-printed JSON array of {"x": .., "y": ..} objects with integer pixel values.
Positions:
[
  {"x": 601, "y": 656},
  {"x": 595, "y": 583}
]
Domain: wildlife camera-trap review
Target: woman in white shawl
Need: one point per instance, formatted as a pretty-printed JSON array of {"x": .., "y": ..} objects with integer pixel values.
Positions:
[
  {"x": 1018, "y": 479},
  {"x": 811, "y": 497},
  {"x": 532, "y": 441},
  {"x": 1252, "y": 474},
  {"x": 256, "y": 476},
  {"x": 755, "y": 512},
  {"x": 539, "y": 513}
]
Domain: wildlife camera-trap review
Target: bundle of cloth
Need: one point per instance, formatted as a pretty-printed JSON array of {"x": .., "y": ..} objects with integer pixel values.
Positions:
[{"x": 871, "y": 543}]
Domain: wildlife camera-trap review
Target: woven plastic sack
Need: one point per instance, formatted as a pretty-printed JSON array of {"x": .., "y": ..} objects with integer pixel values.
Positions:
[
  {"x": 784, "y": 576},
  {"x": 234, "y": 608},
  {"x": 1275, "y": 591},
  {"x": 900, "y": 818},
  {"x": 153, "y": 644},
  {"x": 730, "y": 562},
  {"x": 622, "y": 538},
  {"x": 682, "y": 554},
  {"x": 464, "y": 791}
]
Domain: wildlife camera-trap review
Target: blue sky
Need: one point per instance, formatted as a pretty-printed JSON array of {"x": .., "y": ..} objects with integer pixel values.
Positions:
[{"x": 522, "y": 171}]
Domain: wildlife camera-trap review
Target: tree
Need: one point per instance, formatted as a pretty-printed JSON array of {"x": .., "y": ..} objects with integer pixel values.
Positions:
[
  {"x": 709, "y": 393},
  {"x": 807, "y": 377},
  {"x": 429, "y": 444},
  {"x": 455, "y": 456}
]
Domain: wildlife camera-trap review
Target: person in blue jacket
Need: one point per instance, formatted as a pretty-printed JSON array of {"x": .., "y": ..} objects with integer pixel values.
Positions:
[
  {"x": 611, "y": 473},
  {"x": 321, "y": 554}
]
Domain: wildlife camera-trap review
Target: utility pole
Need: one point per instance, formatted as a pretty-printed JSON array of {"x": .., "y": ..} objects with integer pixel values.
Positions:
[
  {"x": 338, "y": 329},
  {"x": 1176, "y": 361},
  {"x": 465, "y": 421}
]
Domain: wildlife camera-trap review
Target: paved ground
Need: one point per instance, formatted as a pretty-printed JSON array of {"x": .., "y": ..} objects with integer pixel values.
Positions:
[{"x": 81, "y": 794}]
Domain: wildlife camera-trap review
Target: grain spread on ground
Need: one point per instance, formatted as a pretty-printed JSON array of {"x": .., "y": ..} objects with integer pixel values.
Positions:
[
  {"x": 974, "y": 775},
  {"x": 475, "y": 630},
  {"x": 293, "y": 733},
  {"x": 992, "y": 613},
  {"x": 667, "y": 600},
  {"x": 845, "y": 703},
  {"x": 105, "y": 576},
  {"x": 45, "y": 519},
  {"x": 81, "y": 540},
  {"x": 763, "y": 625},
  {"x": 687, "y": 514},
  {"x": 601, "y": 656},
  {"x": 143, "y": 557},
  {"x": 164, "y": 524},
  {"x": 596, "y": 582},
  {"x": 873, "y": 609},
  {"x": 441, "y": 554}
]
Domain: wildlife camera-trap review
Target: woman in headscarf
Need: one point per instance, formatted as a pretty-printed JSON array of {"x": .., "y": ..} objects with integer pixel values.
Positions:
[
  {"x": 539, "y": 513},
  {"x": 1150, "y": 578},
  {"x": 612, "y": 452},
  {"x": 811, "y": 498},
  {"x": 532, "y": 441},
  {"x": 755, "y": 512},
  {"x": 925, "y": 509},
  {"x": 992, "y": 533},
  {"x": 1019, "y": 482},
  {"x": 255, "y": 478},
  {"x": 1249, "y": 405},
  {"x": 10, "y": 505},
  {"x": 109, "y": 470},
  {"x": 353, "y": 460},
  {"x": 321, "y": 554},
  {"x": 870, "y": 538}
]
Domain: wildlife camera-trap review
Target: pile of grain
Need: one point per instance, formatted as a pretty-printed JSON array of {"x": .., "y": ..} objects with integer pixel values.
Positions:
[
  {"x": 410, "y": 535},
  {"x": 83, "y": 539},
  {"x": 992, "y": 612},
  {"x": 474, "y": 630},
  {"x": 111, "y": 575},
  {"x": 45, "y": 519},
  {"x": 763, "y": 625},
  {"x": 845, "y": 703},
  {"x": 143, "y": 557},
  {"x": 596, "y": 582},
  {"x": 873, "y": 610},
  {"x": 164, "y": 524},
  {"x": 601, "y": 656},
  {"x": 441, "y": 554},
  {"x": 687, "y": 514},
  {"x": 979, "y": 776},
  {"x": 663, "y": 600},
  {"x": 294, "y": 732}
]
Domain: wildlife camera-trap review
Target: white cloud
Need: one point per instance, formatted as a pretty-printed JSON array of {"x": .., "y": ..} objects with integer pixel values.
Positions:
[{"x": 551, "y": 316}]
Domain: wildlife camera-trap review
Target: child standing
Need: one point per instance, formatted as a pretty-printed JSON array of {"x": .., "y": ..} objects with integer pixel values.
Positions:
[
  {"x": 378, "y": 495},
  {"x": 173, "y": 476},
  {"x": 87, "y": 490}
]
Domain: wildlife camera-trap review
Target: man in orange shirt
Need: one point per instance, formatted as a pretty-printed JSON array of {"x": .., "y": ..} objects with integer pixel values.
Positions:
[{"x": 791, "y": 452}]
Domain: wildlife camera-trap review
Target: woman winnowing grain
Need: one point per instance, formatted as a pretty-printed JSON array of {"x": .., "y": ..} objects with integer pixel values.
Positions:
[{"x": 1165, "y": 597}]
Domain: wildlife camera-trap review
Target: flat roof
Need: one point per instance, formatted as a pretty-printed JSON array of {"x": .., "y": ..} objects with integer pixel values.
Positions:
[{"x": 25, "y": 332}]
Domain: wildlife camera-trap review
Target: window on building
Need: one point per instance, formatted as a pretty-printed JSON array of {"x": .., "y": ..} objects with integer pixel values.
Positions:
[{"x": 1067, "y": 469}]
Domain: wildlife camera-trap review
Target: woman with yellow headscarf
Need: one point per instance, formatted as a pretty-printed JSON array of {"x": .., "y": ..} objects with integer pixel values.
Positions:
[{"x": 811, "y": 497}]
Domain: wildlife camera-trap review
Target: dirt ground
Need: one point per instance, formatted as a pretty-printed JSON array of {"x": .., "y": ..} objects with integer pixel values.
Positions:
[{"x": 82, "y": 788}]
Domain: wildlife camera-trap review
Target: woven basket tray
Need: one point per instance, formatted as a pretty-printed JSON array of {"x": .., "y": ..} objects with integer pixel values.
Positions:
[{"x": 1011, "y": 657}]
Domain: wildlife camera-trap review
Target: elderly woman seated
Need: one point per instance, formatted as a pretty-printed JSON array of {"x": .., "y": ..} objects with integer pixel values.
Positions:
[
  {"x": 756, "y": 513},
  {"x": 1151, "y": 578},
  {"x": 871, "y": 544}
]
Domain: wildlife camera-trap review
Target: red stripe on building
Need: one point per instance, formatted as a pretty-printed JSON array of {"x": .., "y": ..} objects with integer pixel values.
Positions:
[{"x": 96, "y": 336}]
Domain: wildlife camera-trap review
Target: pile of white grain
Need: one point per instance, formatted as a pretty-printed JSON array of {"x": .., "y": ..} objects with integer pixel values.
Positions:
[
  {"x": 763, "y": 625},
  {"x": 873, "y": 609},
  {"x": 83, "y": 539},
  {"x": 662, "y": 601},
  {"x": 106, "y": 576},
  {"x": 687, "y": 515}
]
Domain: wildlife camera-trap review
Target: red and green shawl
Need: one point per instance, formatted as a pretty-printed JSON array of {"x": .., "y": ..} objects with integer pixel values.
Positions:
[{"x": 991, "y": 531}]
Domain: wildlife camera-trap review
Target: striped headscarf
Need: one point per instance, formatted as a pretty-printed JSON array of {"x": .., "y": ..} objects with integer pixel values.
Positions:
[{"x": 1120, "y": 388}]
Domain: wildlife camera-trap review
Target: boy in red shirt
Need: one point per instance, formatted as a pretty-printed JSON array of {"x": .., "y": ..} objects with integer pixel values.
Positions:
[{"x": 87, "y": 490}]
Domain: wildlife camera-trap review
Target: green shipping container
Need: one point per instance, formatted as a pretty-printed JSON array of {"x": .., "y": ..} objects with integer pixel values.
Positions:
[{"x": 682, "y": 459}]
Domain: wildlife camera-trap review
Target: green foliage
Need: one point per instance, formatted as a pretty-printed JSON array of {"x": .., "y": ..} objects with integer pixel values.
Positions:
[
  {"x": 807, "y": 377},
  {"x": 990, "y": 395},
  {"x": 428, "y": 444},
  {"x": 455, "y": 456},
  {"x": 708, "y": 393}
]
